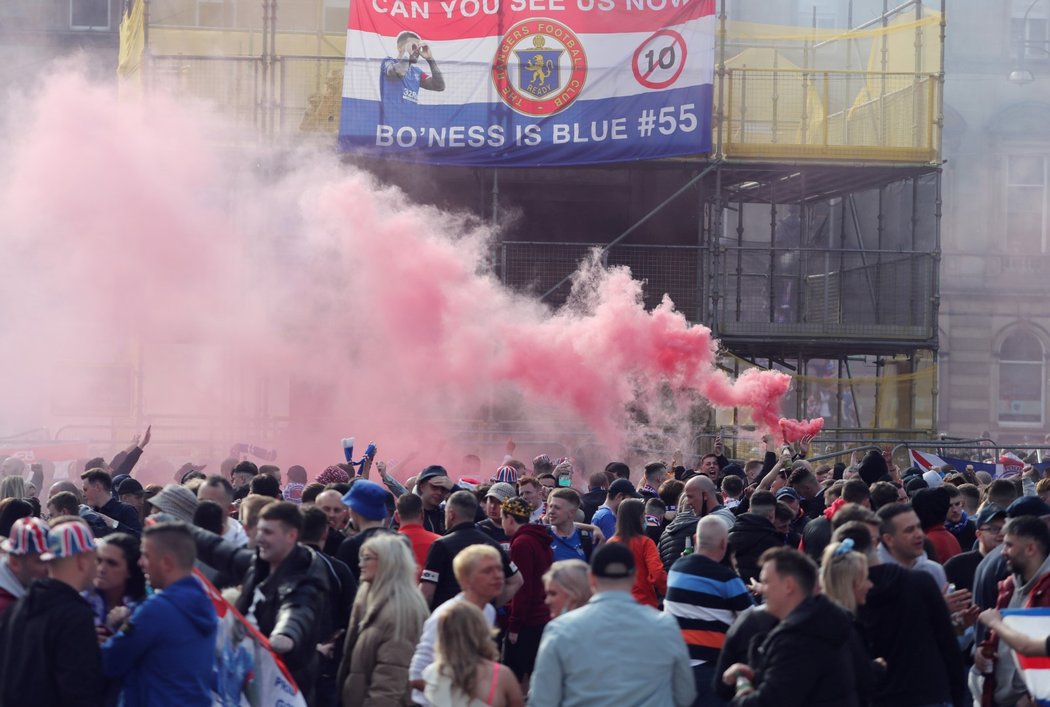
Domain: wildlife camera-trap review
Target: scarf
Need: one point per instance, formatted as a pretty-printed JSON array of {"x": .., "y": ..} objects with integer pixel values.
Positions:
[{"x": 954, "y": 528}]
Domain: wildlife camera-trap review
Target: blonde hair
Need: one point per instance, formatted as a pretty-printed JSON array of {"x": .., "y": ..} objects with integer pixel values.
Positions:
[
  {"x": 394, "y": 586},
  {"x": 466, "y": 561},
  {"x": 573, "y": 577},
  {"x": 12, "y": 487},
  {"x": 839, "y": 573},
  {"x": 251, "y": 508},
  {"x": 463, "y": 638}
]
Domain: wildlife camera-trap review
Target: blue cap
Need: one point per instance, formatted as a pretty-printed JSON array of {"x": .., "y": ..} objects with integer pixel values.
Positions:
[
  {"x": 1027, "y": 506},
  {"x": 788, "y": 491},
  {"x": 989, "y": 513},
  {"x": 367, "y": 499},
  {"x": 430, "y": 472}
]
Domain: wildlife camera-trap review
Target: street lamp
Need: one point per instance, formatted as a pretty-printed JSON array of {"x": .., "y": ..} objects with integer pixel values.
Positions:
[{"x": 1019, "y": 75}]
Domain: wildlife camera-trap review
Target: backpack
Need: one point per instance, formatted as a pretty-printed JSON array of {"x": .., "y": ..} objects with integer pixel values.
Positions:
[{"x": 587, "y": 544}]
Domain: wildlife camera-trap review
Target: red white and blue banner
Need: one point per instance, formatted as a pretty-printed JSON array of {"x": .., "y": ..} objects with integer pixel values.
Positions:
[
  {"x": 528, "y": 82},
  {"x": 1035, "y": 670},
  {"x": 247, "y": 671},
  {"x": 1009, "y": 464}
]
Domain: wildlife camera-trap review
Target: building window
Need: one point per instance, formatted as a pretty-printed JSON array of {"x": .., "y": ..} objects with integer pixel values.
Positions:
[
  {"x": 1026, "y": 195},
  {"x": 89, "y": 14},
  {"x": 336, "y": 13},
  {"x": 1021, "y": 379},
  {"x": 1029, "y": 20}
]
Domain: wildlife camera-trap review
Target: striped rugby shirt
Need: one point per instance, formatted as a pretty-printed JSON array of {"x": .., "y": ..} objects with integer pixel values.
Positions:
[{"x": 705, "y": 597}]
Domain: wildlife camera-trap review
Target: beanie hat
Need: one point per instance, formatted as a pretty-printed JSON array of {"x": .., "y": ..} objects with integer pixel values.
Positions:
[
  {"x": 915, "y": 485},
  {"x": 129, "y": 485},
  {"x": 333, "y": 475},
  {"x": 367, "y": 499},
  {"x": 872, "y": 468},
  {"x": 176, "y": 500}
]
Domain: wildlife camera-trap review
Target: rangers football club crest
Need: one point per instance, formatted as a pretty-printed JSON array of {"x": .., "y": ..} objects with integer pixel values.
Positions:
[{"x": 540, "y": 67}]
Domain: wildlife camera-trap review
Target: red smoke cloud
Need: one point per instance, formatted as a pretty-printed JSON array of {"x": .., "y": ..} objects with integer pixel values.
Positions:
[
  {"x": 136, "y": 236},
  {"x": 794, "y": 430}
]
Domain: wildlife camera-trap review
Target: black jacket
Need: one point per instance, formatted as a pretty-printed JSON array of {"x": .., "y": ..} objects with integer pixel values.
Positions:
[
  {"x": 350, "y": 550},
  {"x": 906, "y": 622},
  {"x": 126, "y": 516},
  {"x": 590, "y": 501},
  {"x": 966, "y": 535},
  {"x": 672, "y": 540},
  {"x": 49, "y": 652},
  {"x": 434, "y": 520},
  {"x": 294, "y": 599},
  {"x": 815, "y": 537},
  {"x": 808, "y": 660},
  {"x": 342, "y": 590},
  {"x": 752, "y": 626},
  {"x": 750, "y": 537}
]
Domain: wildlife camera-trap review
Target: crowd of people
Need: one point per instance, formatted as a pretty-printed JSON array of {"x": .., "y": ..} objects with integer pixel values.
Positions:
[{"x": 772, "y": 581}]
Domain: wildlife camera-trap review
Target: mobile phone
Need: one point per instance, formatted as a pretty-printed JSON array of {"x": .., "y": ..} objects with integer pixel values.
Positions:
[{"x": 564, "y": 481}]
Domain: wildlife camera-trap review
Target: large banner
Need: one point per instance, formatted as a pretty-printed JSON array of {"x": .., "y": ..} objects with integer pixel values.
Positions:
[
  {"x": 528, "y": 82},
  {"x": 247, "y": 671},
  {"x": 1035, "y": 670},
  {"x": 1008, "y": 466}
]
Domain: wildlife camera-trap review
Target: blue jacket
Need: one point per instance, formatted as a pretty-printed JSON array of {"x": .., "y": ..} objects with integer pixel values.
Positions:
[{"x": 165, "y": 654}]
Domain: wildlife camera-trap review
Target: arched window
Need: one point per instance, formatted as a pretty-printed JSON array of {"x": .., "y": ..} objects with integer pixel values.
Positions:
[{"x": 1022, "y": 379}]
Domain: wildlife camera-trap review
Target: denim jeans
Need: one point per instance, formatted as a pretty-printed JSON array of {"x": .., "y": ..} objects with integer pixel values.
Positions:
[{"x": 705, "y": 694}]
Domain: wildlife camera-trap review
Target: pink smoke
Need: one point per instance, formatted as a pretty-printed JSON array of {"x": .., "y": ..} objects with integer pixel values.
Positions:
[
  {"x": 289, "y": 311},
  {"x": 794, "y": 430}
]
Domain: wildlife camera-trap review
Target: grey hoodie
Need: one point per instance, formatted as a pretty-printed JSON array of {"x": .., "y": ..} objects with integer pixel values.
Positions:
[{"x": 1009, "y": 685}]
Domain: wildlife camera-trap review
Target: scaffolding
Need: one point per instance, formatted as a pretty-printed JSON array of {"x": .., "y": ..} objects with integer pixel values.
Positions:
[
  {"x": 871, "y": 93},
  {"x": 812, "y": 242}
]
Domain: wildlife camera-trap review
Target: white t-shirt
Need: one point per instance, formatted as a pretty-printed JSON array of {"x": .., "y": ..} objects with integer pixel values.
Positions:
[
  {"x": 235, "y": 533},
  {"x": 424, "y": 654}
]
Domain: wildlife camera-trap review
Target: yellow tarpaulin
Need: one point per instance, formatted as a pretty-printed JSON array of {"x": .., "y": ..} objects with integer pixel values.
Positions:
[{"x": 132, "y": 47}]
